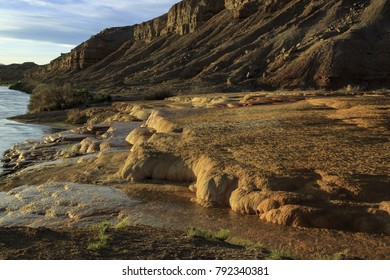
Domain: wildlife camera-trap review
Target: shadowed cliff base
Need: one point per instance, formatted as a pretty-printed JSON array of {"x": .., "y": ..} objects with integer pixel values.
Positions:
[
  {"x": 11, "y": 74},
  {"x": 203, "y": 45}
]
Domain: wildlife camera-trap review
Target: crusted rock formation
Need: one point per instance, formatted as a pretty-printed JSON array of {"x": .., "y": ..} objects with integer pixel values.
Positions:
[
  {"x": 61, "y": 204},
  {"x": 295, "y": 164}
]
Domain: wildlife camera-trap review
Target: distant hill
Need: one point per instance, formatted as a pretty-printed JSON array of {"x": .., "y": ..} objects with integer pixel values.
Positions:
[
  {"x": 206, "y": 45},
  {"x": 12, "y": 73}
]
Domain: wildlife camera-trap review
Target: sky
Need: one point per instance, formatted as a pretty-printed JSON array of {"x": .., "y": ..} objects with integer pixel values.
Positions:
[{"x": 40, "y": 30}]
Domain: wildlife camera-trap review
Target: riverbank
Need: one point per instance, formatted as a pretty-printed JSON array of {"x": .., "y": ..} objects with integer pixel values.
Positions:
[
  {"x": 15, "y": 103},
  {"x": 57, "y": 119},
  {"x": 310, "y": 174}
]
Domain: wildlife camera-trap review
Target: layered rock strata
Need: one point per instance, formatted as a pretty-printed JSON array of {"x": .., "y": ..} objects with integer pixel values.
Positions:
[{"x": 238, "y": 44}]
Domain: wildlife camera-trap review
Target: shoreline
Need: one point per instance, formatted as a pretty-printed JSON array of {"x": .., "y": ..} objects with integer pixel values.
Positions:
[{"x": 55, "y": 119}]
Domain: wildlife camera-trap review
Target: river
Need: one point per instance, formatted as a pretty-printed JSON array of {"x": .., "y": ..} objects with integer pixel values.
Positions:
[{"x": 13, "y": 103}]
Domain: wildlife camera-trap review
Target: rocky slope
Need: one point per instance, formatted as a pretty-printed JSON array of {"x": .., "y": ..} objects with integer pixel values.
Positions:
[
  {"x": 12, "y": 73},
  {"x": 201, "y": 45}
]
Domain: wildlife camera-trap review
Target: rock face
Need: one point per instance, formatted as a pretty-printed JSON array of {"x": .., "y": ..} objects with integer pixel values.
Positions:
[
  {"x": 10, "y": 74},
  {"x": 148, "y": 30},
  {"x": 238, "y": 44},
  {"x": 86, "y": 54},
  {"x": 186, "y": 16}
]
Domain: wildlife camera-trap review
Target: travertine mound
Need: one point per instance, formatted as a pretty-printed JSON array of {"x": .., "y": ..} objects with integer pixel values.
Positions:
[
  {"x": 313, "y": 163},
  {"x": 201, "y": 44},
  {"x": 59, "y": 204}
]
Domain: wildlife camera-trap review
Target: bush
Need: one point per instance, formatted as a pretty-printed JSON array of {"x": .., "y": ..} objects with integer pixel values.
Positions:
[
  {"x": 101, "y": 238},
  {"x": 27, "y": 87},
  {"x": 352, "y": 88},
  {"x": 101, "y": 98},
  {"x": 210, "y": 235},
  {"x": 158, "y": 93},
  {"x": 49, "y": 97},
  {"x": 77, "y": 116}
]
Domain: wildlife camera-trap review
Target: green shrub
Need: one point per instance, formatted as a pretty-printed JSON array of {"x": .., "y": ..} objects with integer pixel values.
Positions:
[
  {"x": 210, "y": 235},
  {"x": 279, "y": 254},
  {"x": 101, "y": 238},
  {"x": 77, "y": 116},
  {"x": 49, "y": 97},
  {"x": 122, "y": 225},
  {"x": 27, "y": 87},
  {"x": 352, "y": 89},
  {"x": 101, "y": 97},
  {"x": 245, "y": 243},
  {"x": 158, "y": 93}
]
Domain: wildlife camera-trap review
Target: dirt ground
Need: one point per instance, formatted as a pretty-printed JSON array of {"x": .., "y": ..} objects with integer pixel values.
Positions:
[{"x": 133, "y": 243}]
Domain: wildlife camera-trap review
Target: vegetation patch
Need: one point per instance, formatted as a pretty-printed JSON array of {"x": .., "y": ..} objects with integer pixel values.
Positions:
[
  {"x": 245, "y": 243},
  {"x": 77, "y": 116},
  {"x": 49, "y": 97},
  {"x": 101, "y": 238},
  {"x": 224, "y": 235},
  {"x": 122, "y": 225},
  {"x": 159, "y": 93},
  {"x": 221, "y": 235},
  {"x": 27, "y": 87}
]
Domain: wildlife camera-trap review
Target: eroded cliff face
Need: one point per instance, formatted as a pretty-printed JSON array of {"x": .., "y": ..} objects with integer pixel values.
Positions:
[
  {"x": 182, "y": 18},
  {"x": 148, "y": 30},
  {"x": 239, "y": 44},
  {"x": 186, "y": 16},
  {"x": 88, "y": 53}
]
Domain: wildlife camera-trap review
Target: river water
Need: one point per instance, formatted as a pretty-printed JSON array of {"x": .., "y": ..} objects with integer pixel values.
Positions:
[{"x": 13, "y": 103}]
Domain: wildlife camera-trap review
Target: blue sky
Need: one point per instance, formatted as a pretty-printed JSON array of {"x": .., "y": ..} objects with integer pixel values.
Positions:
[{"x": 40, "y": 30}]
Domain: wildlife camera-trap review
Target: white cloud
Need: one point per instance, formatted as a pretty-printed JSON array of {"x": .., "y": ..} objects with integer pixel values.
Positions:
[{"x": 19, "y": 51}]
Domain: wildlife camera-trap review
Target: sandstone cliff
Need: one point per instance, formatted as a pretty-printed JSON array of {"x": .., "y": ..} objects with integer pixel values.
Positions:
[
  {"x": 86, "y": 54},
  {"x": 238, "y": 44}
]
